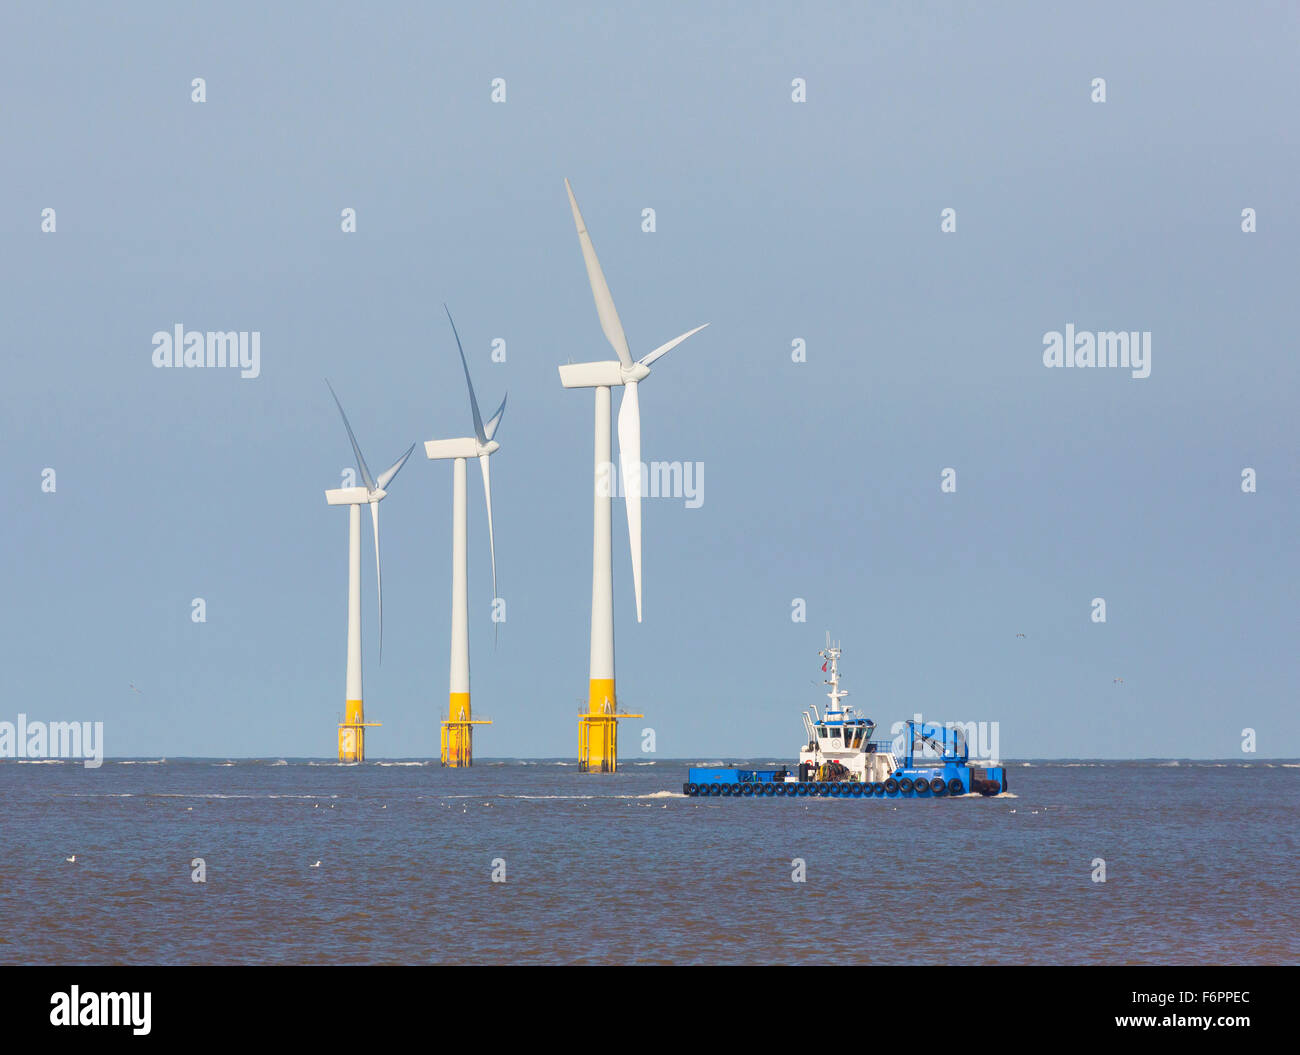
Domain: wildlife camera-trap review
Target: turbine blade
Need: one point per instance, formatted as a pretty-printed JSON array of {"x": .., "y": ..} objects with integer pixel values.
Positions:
[
  {"x": 665, "y": 348},
  {"x": 361, "y": 462},
  {"x": 473, "y": 403},
  {"x": 379, "y": 582},
  {"x": 387, "y": 475},
  {"x": 490, "y": 429},
  {"x": 629, "y": 456},
  {"x": 487, "y": 495},
  {"x": 609, "y": 321}
]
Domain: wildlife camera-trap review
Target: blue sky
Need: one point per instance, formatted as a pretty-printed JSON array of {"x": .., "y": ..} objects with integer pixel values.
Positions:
[{"x": 774, "y": 221}]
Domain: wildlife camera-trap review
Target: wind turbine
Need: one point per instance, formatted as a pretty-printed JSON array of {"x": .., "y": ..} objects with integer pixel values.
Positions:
[
  {"x": 352, "y": 730},
  {"x": 457, "y": 730},
  {"x": 598, "y": 728}
]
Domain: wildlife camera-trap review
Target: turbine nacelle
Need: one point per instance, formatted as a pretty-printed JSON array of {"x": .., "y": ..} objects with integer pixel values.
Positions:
[
  {"x": 464, "y": 447},
  {"x": 608, "y": 374},
  {"x": 354, "y": 496}
]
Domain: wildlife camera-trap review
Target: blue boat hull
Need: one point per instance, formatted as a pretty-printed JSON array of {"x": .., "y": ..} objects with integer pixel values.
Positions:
[{"x": 933, "y": 782}]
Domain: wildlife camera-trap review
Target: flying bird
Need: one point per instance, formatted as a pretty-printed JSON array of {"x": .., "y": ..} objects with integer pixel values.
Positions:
[{"x": 1020, "y": 635}]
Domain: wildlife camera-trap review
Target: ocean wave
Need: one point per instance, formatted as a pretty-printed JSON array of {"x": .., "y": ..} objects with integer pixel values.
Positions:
[
  {"x": 223, "y": 795},
  {"x": 533, "y": 797},
  {"x": 142, "y": 762},
  {"x": 93, "y": 795},
  {"x": 570, "y": 798}
]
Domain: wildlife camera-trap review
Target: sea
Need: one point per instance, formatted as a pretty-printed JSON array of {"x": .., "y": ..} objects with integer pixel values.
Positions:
[{"x": 307, "y": 861}]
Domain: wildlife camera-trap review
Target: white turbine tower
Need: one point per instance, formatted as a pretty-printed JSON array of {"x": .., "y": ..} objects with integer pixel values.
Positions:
[
  {"x": 457, "y": 746},
  {"x": 352, "y": 730},
  {"x": 598, "y": 728}
]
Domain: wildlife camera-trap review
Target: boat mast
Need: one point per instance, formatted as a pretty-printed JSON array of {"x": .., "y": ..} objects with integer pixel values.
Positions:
[{"x": 831, "y": 653}]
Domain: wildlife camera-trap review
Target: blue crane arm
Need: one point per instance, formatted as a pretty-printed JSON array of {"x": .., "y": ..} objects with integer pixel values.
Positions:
[{"x": 952, "y": 747}]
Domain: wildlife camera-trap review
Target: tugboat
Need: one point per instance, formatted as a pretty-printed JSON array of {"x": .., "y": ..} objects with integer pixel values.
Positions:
[{"x": 840, "y": 760}]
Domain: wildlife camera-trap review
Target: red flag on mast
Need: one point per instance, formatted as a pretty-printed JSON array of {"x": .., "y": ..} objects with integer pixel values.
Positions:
[{"x": 823, "y": 668}]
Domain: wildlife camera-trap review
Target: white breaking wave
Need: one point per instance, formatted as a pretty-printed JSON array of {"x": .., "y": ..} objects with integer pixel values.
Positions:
[
  {"x": 218, "y": 795},
  {"x": 94, "y": 795},
  {"x": 573, "y": 798},
  {"x": 183, "y": 795}
]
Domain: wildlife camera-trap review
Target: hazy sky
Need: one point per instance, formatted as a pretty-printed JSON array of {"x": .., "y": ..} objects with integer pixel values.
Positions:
[{"x": 775, "y": 221}]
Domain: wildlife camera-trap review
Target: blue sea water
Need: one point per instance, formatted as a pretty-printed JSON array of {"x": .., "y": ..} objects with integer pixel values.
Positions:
[{"x": 1200, "y": 866}]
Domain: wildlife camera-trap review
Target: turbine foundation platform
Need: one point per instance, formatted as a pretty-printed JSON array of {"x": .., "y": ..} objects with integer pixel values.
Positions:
[
  {"x": 598, "y": 729},
  {"x": 457, "y": 735},
  {"x": 352, "y": 733}
]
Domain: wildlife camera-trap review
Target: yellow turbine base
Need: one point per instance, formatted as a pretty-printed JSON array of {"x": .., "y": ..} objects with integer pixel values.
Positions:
[
  {"x": 598, "y": 729},
  {"x": 457, "y": 736},
  {"x": 457, "y": 733},
  {"x": 352, "y": 733}
]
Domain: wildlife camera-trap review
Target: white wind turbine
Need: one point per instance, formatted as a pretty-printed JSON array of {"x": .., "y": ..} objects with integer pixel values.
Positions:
[
  {"x": 598, "y": 731},
  {"x": 352, "y": 730},
  {"x": 456, "y": 737}
]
